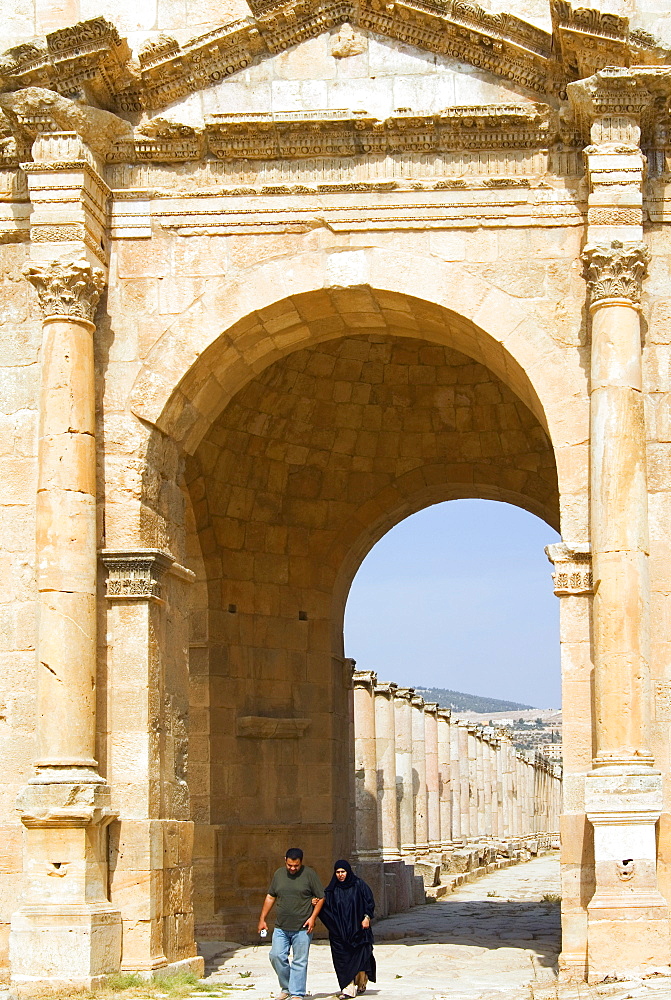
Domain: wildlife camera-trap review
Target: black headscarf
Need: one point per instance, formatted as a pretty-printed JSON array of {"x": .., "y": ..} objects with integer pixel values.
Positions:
[{"x": 335, "y": 882}]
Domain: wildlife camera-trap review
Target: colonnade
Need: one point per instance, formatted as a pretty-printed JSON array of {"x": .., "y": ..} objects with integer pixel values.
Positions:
[{"x": 428, "y": 783}]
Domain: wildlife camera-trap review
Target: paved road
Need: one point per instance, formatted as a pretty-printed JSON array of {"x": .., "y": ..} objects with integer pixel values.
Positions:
[
  {"x": 494, "y": 939},
  {"x": 488, "y": 939}
]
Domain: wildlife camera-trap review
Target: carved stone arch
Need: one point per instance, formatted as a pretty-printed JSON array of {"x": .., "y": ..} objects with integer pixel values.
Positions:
[{"x": 247, "y": 324}]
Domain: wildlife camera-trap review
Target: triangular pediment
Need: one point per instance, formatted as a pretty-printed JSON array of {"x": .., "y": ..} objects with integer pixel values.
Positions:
[{"x": 92, "y": 61}]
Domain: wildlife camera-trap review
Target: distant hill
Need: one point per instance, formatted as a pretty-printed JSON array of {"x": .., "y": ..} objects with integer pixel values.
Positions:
[{"x": 461, "y": 702}]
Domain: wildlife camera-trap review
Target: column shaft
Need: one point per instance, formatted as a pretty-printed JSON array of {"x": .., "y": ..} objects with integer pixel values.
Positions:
[
  {"x": 404, "y": 783},
  {"x": 419, "y": 775},
  {"x": 385, "y": 742},
  {"x": 432, "y": 776},
  {"x": 365, "y": 766}
]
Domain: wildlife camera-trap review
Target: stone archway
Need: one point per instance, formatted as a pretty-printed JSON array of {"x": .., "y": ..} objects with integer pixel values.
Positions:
[{"x": 304, "y": 468}]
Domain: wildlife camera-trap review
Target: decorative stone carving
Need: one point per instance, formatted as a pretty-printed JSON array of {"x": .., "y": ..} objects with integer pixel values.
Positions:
[
  {"x": 91, "y": 59},
  {"x": 135, "y": 574},
  {"x": 615, "y": 271},
  {"x": 364, "y": 679},
  {"x": 573, "y": 568},
  {"x": 262, "y": 727},
  {"x": 70, "y": 290},
  {"x": 620, "y": 105},
  {"x": 348, "y": 43}
]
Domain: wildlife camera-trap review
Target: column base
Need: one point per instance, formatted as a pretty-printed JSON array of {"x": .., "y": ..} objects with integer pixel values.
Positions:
[
  {"x": 627, "y": 939},
  {"x": 46, "y": 940},
  {"x": 196, "y": 965}
]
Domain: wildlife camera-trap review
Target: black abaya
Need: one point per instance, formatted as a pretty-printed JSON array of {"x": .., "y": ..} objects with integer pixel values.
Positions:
[{"x": 345, "y": 905}]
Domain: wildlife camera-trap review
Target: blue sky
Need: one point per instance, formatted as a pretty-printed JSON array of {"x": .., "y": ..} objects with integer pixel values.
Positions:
[{"x": 460, "y": 596}]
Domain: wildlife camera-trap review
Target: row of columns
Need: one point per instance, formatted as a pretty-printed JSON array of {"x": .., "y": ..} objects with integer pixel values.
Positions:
[{"x": 426, "y": 781}]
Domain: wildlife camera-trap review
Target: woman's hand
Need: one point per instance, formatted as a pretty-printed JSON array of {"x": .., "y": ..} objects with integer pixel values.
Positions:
[
  {"x": 365, "y": 922},
  {"x": 315, "y": 900}
]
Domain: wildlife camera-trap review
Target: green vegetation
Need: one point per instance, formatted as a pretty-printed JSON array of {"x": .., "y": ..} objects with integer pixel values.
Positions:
[
  {"x": 131, "y": 986},
  {"x": 461, "y": 702}
]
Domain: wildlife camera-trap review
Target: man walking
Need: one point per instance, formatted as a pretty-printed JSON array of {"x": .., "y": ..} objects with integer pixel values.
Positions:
[{"x": 293, "y": 888}]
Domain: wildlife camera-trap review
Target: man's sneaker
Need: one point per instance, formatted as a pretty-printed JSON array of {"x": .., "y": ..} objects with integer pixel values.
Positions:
[{"x": 282, "y": 996}]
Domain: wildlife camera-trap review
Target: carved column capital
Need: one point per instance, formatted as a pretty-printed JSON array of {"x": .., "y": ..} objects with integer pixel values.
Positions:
[
  {"x": 364, "y": 679},
  {"x": 615, "y": 270},
  {"x": 573, "y": 568},
  {"x": 386, "y": 690},
  {"x": 135, "y": 574},
  {"x": 67, "y": 290}
]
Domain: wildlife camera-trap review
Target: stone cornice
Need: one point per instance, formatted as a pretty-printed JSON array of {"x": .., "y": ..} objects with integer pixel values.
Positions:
[
  {"x": 615, "y": 271},
  {"x": 622, "y": 105},
  {"x": 67, "y": 290},
  {"x": 91, "y": 60},
  {"x": 338, "y": 134}
]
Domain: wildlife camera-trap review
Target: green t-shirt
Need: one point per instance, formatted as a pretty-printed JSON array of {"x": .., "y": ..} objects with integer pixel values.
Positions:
[{"x": 294, "y": 894}]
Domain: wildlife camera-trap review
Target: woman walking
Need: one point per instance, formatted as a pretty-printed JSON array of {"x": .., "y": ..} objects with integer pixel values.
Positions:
[{"x": 347, "y": 913}]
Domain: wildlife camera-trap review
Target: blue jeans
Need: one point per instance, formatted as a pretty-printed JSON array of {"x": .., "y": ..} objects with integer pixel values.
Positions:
[{"x": 293, "y": 977}]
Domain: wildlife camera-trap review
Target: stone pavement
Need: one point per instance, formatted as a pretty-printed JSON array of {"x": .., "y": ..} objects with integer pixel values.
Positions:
[{"x": 493, "y": 938}]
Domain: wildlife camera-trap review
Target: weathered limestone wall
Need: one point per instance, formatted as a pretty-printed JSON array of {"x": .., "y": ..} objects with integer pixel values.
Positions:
[
  {"x": 20, "y": 340},
  {"x": 435, "y": 854},
  {"x": 310, "y": 326}
]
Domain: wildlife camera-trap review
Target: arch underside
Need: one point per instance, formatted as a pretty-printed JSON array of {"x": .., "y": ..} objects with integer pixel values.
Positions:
[{"x": 297, "y": 477}]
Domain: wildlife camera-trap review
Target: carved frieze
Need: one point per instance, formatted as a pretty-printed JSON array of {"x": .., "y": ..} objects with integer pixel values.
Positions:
[
  {"x": 135, "y": 574},
  {"x": 615, "y": 270},
  {"x": 573, "y": 569},
  {"x": 341, "y": 133},
  {"x": 66, "y": 289}
]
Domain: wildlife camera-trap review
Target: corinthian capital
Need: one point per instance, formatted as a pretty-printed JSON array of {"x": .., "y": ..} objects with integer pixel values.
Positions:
[
  {"x": 68, "y": 289},
  {"x": 615, "y": 270}
]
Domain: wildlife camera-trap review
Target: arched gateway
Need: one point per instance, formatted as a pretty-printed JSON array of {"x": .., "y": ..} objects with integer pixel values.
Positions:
[{"x": 270, "y": 331}]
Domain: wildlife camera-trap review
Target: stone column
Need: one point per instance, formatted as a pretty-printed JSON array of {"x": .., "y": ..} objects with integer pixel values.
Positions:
[
  {"x": 473, "y": 796},
  {"x": 479, "y": 781},
  {"x": 623, "y": 793},
  {"x": 404, "y": 783},
  {"x": 419, "y": 775},
  {"x": 487, "y": 785},
  {"x": 365, "y": 767},
  {"x": 445, "y": 778},
  {"x": 573, "y": 585},
  {"x": 67, "y": 930},
  {"x": 385, "y": 743},
  {"x": 455, "y": 779},
  {"x": 465, "y": 778},
  {"x": 489, "y": 790},
  {"x": 432, "y": 775},
  {"x": 146, "y": 594}
]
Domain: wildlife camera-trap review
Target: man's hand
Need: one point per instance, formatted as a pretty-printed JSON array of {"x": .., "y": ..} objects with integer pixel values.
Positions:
[{"x": 263, "y": 926}]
